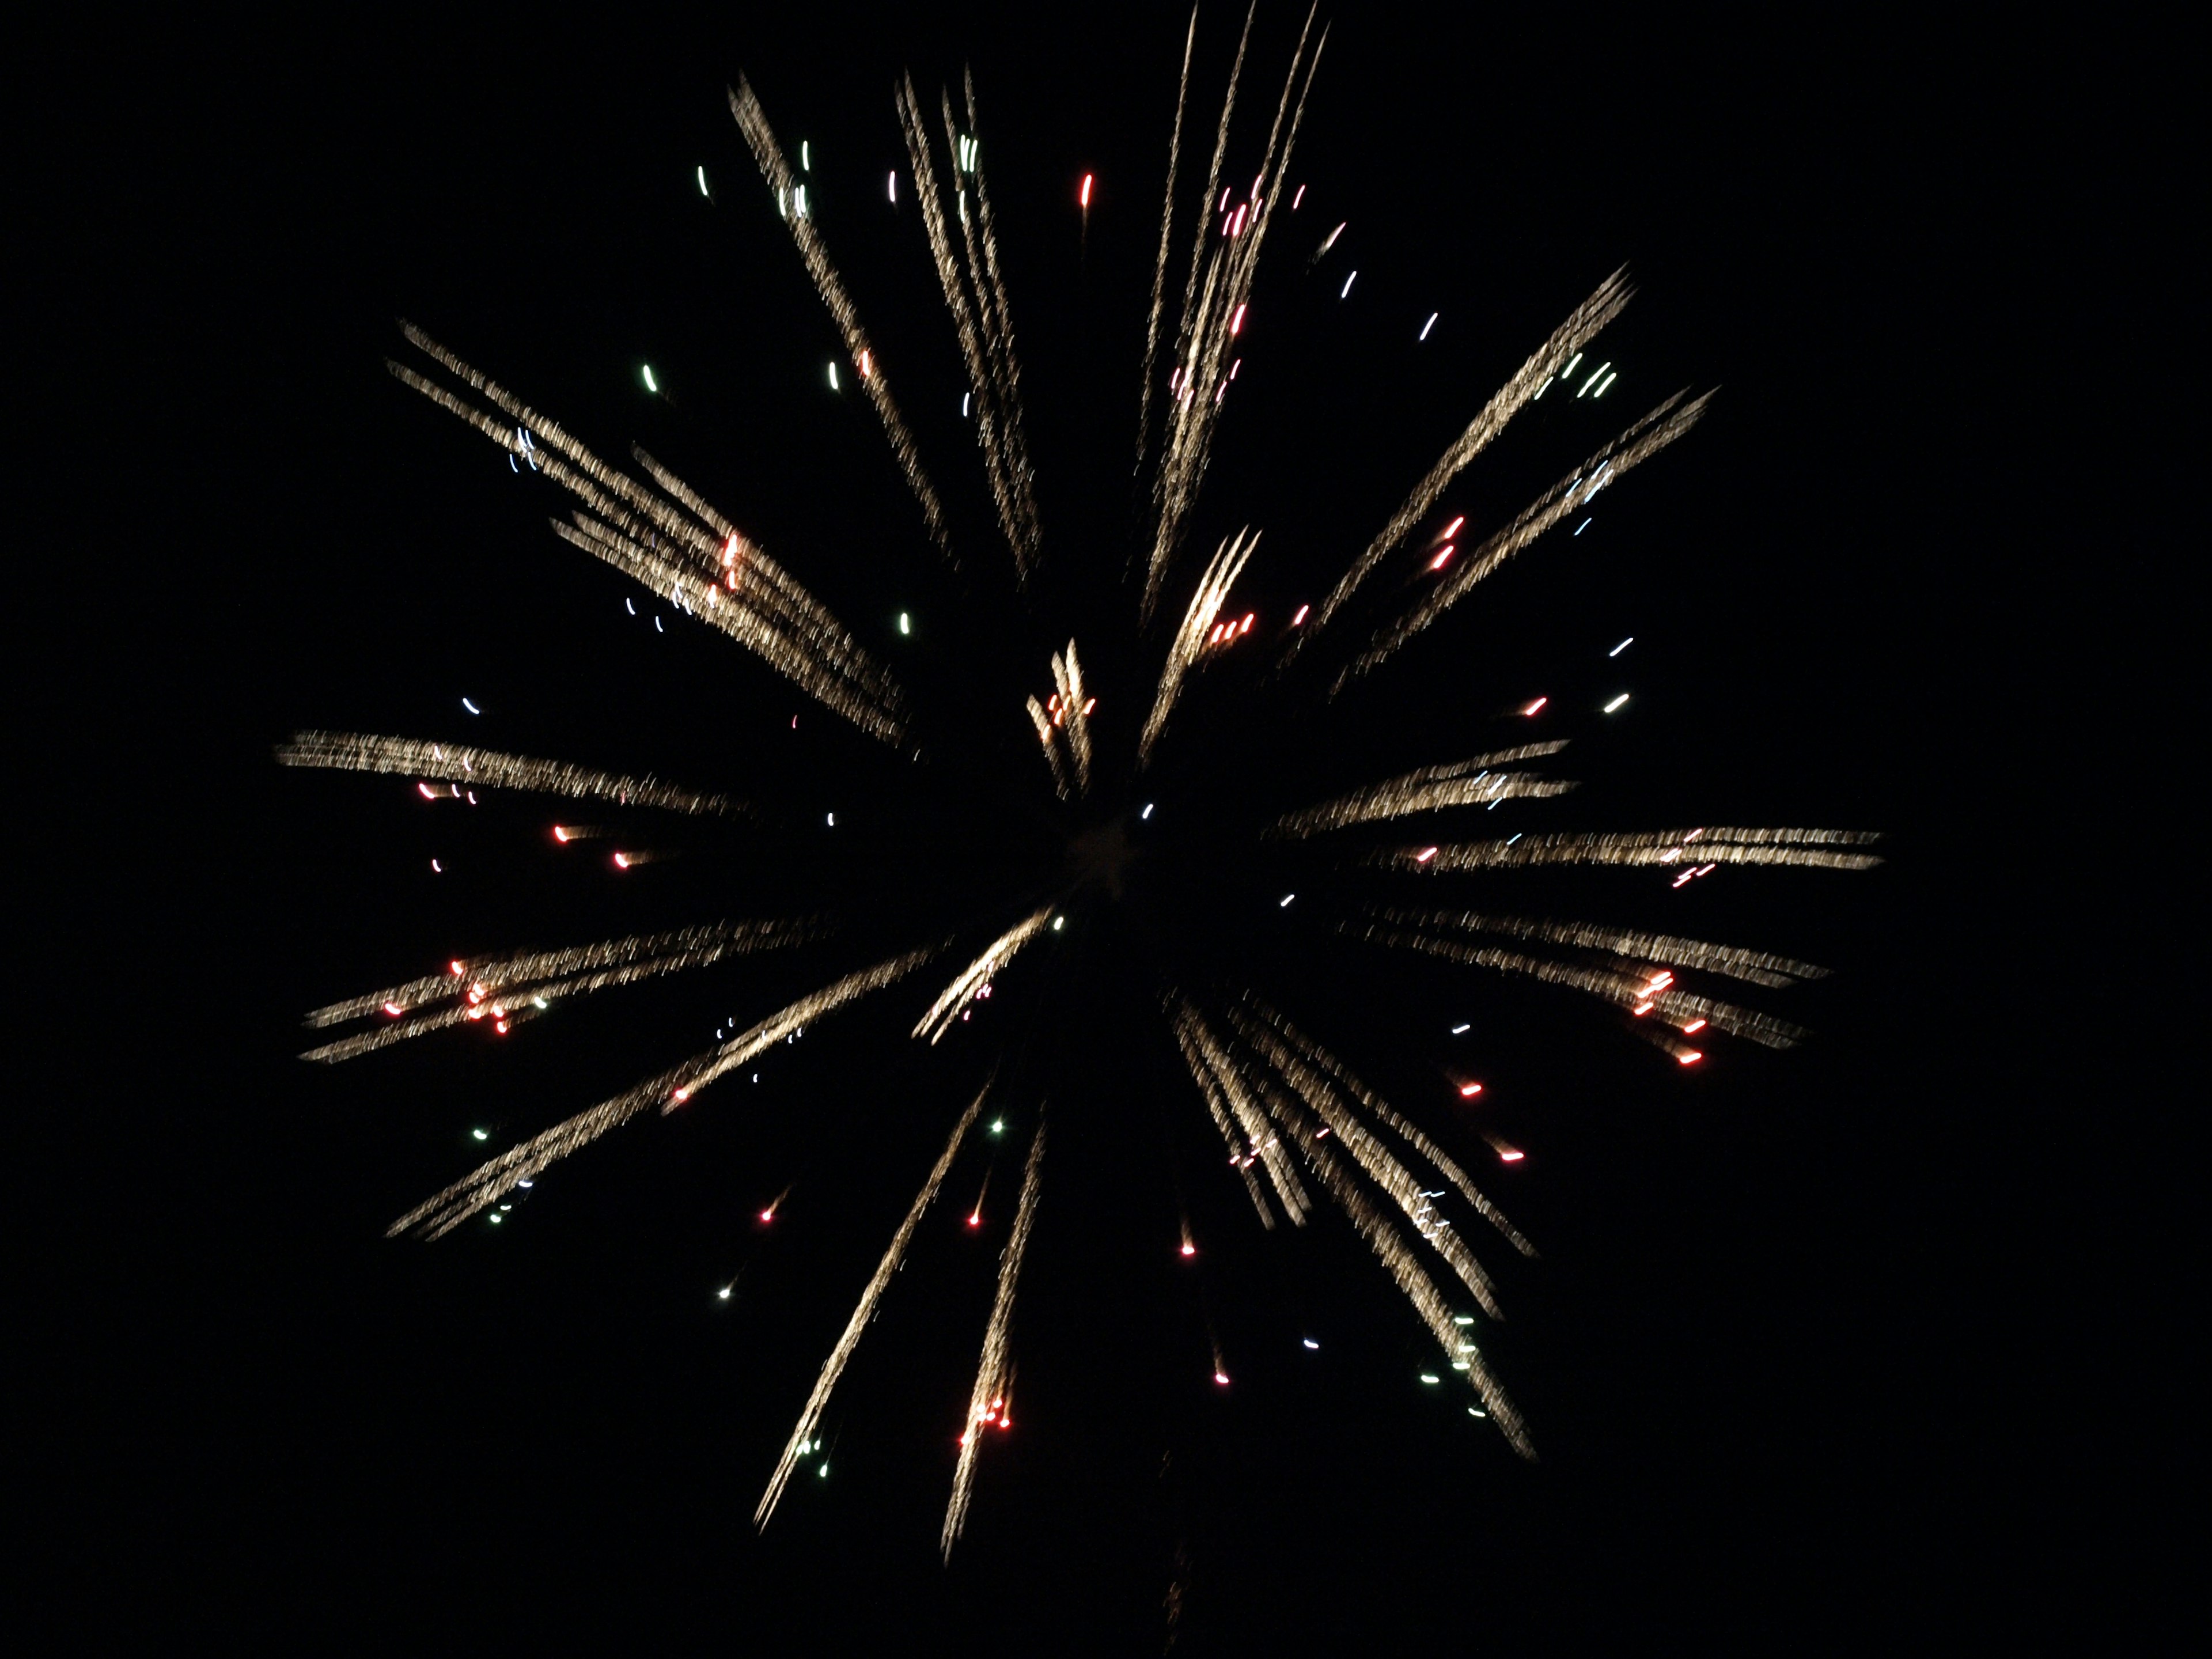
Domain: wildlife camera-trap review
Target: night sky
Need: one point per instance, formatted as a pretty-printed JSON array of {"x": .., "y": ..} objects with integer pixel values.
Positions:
[{"x": 1761, "y": 1352}]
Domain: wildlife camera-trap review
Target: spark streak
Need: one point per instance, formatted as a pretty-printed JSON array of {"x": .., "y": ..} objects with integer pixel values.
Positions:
[
  {"x": 810, "y": 1417},
  {"x": 486, "y": 1185},
  {"x": 994, "y": 1371},
  {"x": 350, "y": 751},
  {"x": 1582, "y": 324},
  {"x": 546, "y": 975},
  {"x": 1428, "y": 790},
  {"x": 979, "y": 973},
  {"x": 1641, "y": 441},
  {"x": 1160, "y": 264},
  {"x": 752, "y": 121},
  {"x": 1190, "y": 640}
]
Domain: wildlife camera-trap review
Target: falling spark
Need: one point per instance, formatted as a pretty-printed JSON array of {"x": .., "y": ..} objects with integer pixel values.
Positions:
[
  {"x": 994, "y": 1371},
  {"x": 348, "y": 751},
  {"x": 832, "y": 1368},
  {"x": 485, "y": 1187},
  {"x": 1587, "y": 318},
  {"x": 1431, "y": 789},
  {"x": 977, "y": 974},
  {"x": 752, "y": 121}
]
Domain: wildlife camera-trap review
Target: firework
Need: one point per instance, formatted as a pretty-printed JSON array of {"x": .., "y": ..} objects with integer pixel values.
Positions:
[
  {"x": 991, "y": 1401},
  {"x": 1299, "y": 1128}
]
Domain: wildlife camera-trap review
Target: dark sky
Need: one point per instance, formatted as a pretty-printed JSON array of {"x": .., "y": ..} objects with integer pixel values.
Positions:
[{"x": 1766, "y": 1355}]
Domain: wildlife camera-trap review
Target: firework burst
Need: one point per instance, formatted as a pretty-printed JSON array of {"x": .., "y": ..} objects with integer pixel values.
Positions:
[{"x": 1298, "y": 1127}]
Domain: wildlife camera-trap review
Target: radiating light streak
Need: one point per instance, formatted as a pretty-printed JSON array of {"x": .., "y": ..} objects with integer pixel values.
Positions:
[
  {"x": 650, "y": 384},
  {"x": 752, "y": 121},
  {"x": 1329, "y": 240},
  {"x": 1346, "y": 290},
  {"x": 1616, "y": 703},
  {"x": 644, "y": 535},
  {"x": 1202, "y": 342},
  {"x": 1412, "y": 1281},
  {"x": 832, "y": 1368},
  {"x": 962, "y": 990},
  {"x": 350, "y": 751},
  {"x": 1160, "y": 264},
  {"x": 1813, "y": 848},
  {"x": 1067, "y": 677},
  {"x": 1221, "y": 574},
  {"x": 1601, "y": 392},
  {"x": 976, "y": 301},
  {"x": 1592, "y": 381},
  {"x": 1584, "y": 321},
  {"x": 485, "y": 1186},
  {"x": 1622, "y": 647},
  {"x": 1642, "y": 440},
  {"x": 1755, "y": 966},
  {"x": 1226, "y": 1085},
  {"x": 1429, "y": 789},
  {"x": 702, "y": 182},
  {"x": 1255, "y": 1014},
  {"x": 1430, "y": 323},
  {"x": 1606, "y": 983},
  {"x": 993, "y": 1370},
  {"x": 1042, "y": 722},
  {"x": 440, "y": 1001}
]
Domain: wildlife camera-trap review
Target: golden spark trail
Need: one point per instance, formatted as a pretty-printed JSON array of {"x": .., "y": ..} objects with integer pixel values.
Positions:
[
  {"x": 1373, "y": 1160},
  {"x": 1217, "y": 1107},
  {"x": 1160, "y": 266},
  {"x": 1202, "y": 1048},
  {"x": 994, "y": 1374},
  {"x": 767, "y": 586},
  {"x": 709, "y": 603},
  {"x": 1645, "y": 439},
  {"x": 1758, "y": 967},
  {"x": 1582, "y": 326},
  {"x": 978, "y": 973},
  {"x": 1000, "y": 465},
  {"x": 1799, "y": 846},
  {"x": 645, "y": 517},
  {"x": 1414, "y": 1283},
  {"x": 824, "y": 649},
  {"x": 991, "y": 294},
  {"x": 486, "y": 1185},
  {"x": 752, "y": 121},
  {"x": 480, "y": 982},
  {"x": 1214, "y": 1073},
  {"x": 1205, "y": 202},
  {"x": 1067, "y": 679},
  {"x": 1403, "y": 797},
  {"x": 1229, "y": 560},
  {"x": 1042, "y": 721},
  {"x": 1207, "y": 338},
  {"x": 834, "y": 1367},
  {"x": 1260, "y": 1018},
  {"x": 1612, "y": 985},
  {"x": 487, "y": 768}
]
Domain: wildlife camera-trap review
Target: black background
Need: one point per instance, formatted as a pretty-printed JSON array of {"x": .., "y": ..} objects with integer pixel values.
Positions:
[{"x": 1776, "y": 1355}]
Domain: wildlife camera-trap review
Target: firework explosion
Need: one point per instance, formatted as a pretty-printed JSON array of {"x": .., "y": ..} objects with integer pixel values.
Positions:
[{"x": 1297, "y": 1126}]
